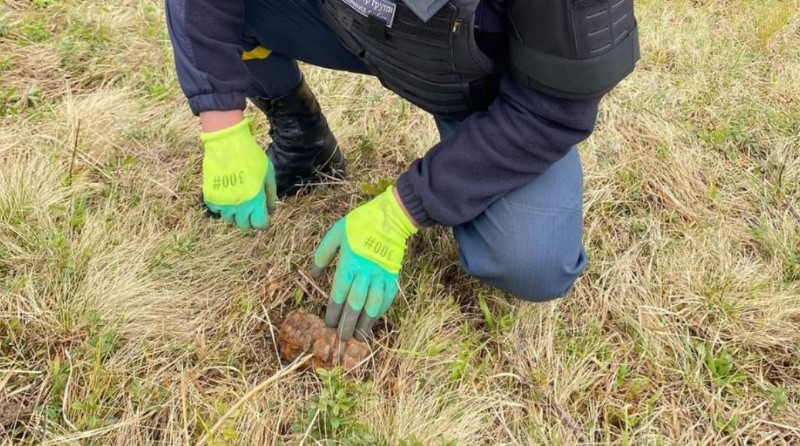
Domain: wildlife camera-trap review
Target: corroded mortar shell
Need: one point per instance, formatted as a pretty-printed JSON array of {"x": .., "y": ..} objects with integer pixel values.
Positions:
[{"x": 303, "y": 333}]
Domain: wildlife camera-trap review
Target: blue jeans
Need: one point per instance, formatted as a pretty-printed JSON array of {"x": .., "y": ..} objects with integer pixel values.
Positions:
[{"x": 527, "y": 243}]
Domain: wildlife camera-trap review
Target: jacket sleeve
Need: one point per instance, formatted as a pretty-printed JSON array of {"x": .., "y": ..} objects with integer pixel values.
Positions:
[
  {"x": 564, "y": 56},
  {"x": 206, "y": 42},
  {"x": 494, "y": 152}
]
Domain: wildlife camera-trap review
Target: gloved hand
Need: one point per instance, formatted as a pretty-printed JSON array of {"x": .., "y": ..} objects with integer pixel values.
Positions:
[
  {"x": 238, "y": 178},
  {"x": 371, "y": 241}
]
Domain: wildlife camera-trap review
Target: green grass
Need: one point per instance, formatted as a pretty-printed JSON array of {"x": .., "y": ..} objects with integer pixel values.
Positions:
[{"x": 129, "y": 317}]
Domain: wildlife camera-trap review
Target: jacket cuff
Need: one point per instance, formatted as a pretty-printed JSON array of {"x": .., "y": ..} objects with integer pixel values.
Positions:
[
  {"x": 413, "y": 202},
  {"x": 217, "y": 102}
]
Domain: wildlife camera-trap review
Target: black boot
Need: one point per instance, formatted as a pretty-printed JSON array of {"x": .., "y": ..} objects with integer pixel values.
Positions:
[{"x": 303, "y": 149}]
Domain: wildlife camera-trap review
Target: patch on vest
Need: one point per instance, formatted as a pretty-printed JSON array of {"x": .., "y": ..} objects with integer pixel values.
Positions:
[{"x": 382, "y": 10}]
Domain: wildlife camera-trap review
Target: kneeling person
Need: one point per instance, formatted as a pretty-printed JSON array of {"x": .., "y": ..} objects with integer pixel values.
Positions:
[{"x": 513, "y": 85}]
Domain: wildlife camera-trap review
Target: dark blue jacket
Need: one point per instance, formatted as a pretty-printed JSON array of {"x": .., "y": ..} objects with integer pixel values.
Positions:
[{"x": 490, "y": 154}]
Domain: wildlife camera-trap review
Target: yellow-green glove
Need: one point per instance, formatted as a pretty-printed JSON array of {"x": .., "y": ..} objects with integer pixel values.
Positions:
[
  {"x": 371, "y": 241},
  {"x": 238, "y": 179}
]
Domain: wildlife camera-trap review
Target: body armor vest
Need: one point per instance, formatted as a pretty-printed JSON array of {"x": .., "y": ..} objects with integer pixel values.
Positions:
[{"x": 434, "y": 64}]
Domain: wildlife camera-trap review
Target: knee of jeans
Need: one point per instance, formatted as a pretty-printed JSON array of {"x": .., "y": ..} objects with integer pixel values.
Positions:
[{"x": 531, "y": 274}]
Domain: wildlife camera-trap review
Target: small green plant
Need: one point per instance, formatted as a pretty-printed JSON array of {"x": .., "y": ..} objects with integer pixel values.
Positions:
[
  {"x": 720, "y": 366},
  {"x": 505, "y": 320},
  {"x": 373, "y": 190},
  {"x": 777, "y": 394},
  {"x": 227, "y": 433},
  {"x": 5, "y": 61},
  {"x": 460, "y": 365},
  {"x": 58, "y": 372},
  {"x": 621, "y": 419},
  {"x": 89, "y": 410},
  {"x": 622, "y": 374},
  {"x": 8, "y": 101},
  {"x": 43, "y": 3},
  {"x": 4, "y": 27},
  {"x": 365, "y": 144},
  {"x": 36, "y": 31},
  {"x": 102, "y": 344},
  {"x": 729, "y": 425},
  {"x": 791, "y": 266},
  {"x": 155, "y": 82},
  {"x": 331, "y": 415}
]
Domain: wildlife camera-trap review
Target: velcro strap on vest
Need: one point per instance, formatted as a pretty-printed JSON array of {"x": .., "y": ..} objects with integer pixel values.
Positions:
[{"x": 570, "y": 78}]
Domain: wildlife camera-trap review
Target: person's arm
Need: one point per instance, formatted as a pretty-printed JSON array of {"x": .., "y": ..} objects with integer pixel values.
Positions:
[
  {"x": 206, "y": 41},
  {"x": 238, "y": 178},
  {"x": 564, "y": 56},
  {"x": 212, "y": 121},
  {"x": 492, "y": 153}
]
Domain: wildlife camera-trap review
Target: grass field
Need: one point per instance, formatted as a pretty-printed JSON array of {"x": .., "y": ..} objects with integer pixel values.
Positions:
[{"x": 128, "y": 317}]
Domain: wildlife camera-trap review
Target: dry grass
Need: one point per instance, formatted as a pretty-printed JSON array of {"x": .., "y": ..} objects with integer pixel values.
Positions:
[{"x": 128, "y": 317}]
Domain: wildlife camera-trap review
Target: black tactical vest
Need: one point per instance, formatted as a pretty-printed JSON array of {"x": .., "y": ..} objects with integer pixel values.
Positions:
[{"x": 434, "y": 64}]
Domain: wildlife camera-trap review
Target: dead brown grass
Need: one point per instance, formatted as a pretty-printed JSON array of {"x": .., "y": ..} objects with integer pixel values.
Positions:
[{"x": 128, "y": 317}]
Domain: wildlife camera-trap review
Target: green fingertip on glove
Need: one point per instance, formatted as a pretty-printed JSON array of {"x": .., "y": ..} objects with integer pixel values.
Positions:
[
  {"x": 238, "y": 178},
  {"x": 371, "y": 242}
]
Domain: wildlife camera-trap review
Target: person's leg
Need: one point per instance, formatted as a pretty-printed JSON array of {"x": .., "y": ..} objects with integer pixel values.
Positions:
[
  {"x": 528, "y": 243},
  {"x": 276, "y": 35},
  {"x": 290, "y": 30},
  {"x": 273, "y": 76}
]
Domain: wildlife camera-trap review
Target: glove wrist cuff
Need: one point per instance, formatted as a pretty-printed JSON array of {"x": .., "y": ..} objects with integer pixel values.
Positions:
[{"x": 405, "y": 224}]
